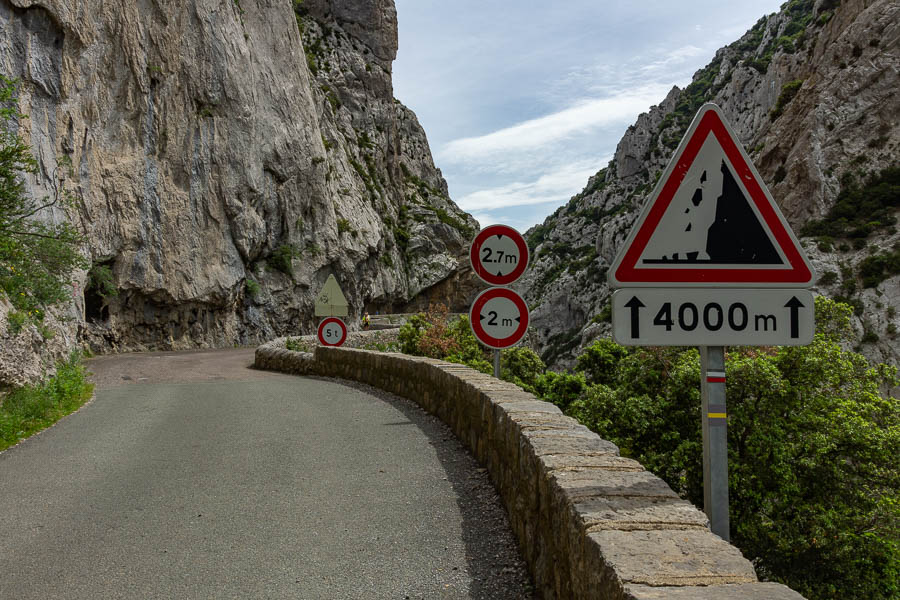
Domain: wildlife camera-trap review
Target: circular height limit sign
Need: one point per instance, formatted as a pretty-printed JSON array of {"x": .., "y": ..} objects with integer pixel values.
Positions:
[
  {"x": 499, "y": 318},
  {"x": 332, "y": 332},
  {"x": 499, "y": 255}
]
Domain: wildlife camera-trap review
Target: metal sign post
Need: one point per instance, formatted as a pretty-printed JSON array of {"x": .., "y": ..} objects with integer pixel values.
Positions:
[
  {"x": 715, "y": 439},
  {"x": 497, "y": 363}
]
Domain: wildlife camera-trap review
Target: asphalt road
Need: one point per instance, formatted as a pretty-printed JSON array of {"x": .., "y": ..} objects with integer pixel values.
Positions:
[{"x": 192, "y": 476}]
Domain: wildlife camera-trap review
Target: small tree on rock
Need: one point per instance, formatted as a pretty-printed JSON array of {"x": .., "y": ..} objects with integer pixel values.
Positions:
[{"x": 37, "y": 258}]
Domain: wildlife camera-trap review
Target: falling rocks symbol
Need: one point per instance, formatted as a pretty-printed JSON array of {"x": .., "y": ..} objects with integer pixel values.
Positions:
[{"x": 736, "y": 236}]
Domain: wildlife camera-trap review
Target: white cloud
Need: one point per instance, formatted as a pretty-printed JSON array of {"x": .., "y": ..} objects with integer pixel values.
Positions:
[
  {"x": 673, "y": 57},
  {"x": 577, "y": 119},
  {"x": 553, "y": 186}
]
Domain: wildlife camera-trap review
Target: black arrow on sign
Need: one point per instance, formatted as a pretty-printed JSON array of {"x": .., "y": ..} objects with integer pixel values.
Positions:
[
  {"x": 635, "y": 305},
  {"x": 499, "y": 236},
  {"x": 795, "y": 306}
]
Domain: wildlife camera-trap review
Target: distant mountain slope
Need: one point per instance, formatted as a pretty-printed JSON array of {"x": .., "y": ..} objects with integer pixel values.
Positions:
[{"x": 812, "y": 93}]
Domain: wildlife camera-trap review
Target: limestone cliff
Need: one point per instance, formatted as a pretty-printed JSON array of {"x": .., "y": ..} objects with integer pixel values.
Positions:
[
  {"x": 226, "y": 157},
  {"x": 812, "y": 94}
]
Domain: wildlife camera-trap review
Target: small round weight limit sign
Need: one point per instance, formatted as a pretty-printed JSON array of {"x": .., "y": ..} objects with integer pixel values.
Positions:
[
  {"x": 332, "y": 332},
  {"x": 499, "y": 318},
  {"x": 499, "y": 255}
]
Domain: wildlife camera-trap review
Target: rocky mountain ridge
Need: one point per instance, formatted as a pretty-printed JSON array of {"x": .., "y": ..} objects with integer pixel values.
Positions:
[
  {"x": 225, "y": 157},
  {"x": 811, "y": 93}
]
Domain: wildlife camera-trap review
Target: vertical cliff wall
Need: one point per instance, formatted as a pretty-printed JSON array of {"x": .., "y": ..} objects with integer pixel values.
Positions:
[
  {"x": 225, "y": 157},
  {"x": 812, "y": 94}
]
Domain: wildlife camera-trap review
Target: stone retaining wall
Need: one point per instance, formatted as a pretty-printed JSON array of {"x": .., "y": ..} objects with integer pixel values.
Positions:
[{"x": 590, "y": 523}]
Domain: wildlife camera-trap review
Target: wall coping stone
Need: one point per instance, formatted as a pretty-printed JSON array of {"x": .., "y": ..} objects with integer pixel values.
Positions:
[{"x": 590, "y": 523}]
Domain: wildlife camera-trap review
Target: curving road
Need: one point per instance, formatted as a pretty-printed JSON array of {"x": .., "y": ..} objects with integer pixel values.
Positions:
[{"x": 192, "y": 476}]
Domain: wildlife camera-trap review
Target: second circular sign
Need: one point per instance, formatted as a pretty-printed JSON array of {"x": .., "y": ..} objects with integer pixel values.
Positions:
[{"x": 499, "y": 317}]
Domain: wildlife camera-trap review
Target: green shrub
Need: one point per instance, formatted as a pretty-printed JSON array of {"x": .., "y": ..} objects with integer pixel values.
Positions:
[
  {"x": 562, "y": 389},
  {"x": 253, "y": 288},
  {"x": 16, "y": 321},
  {"x": 100, "y": 279},
  {"x": 600, "y": 361},
  {"x": 876, "y": 268},
  {"x": 282, "y": 258},
  {"x": 788, "y": 91},
  {"x": 298, "y": 345},
  {"x": 521, "y": 366},
  {"x": 410, "y": 334},
  {"x": 402, "y": 238},
  {"x": 343, "y": 226},
  {"x": 861, "y": 209},
  {"x": 812, "y": 452},
  {"x": 827, "y": 278},
  {"x": 27, "y": 410}
]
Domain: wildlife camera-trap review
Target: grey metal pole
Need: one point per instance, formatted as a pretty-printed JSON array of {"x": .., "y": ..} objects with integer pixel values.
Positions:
[
  {"x": 715, "y": 440},
  {"x": 497, "y": 363}
]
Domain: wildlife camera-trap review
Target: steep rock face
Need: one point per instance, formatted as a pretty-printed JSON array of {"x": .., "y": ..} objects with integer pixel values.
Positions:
[
  {"x": 220, "y": 169},
  {"x": 811, "y": 93},
  {"x": 378, "y": 151}
]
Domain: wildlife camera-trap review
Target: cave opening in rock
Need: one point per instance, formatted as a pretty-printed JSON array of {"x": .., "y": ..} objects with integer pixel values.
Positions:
[{"x": 100, "y": 288}]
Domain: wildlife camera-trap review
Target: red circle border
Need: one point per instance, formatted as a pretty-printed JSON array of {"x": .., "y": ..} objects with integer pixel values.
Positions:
[
  {"x": 475, "y": 253},
  {"x": 326, "y": 322},
  {"x": 478, "y": 330}
]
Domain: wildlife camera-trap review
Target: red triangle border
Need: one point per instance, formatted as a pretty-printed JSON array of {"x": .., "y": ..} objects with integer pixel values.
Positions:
[{"x": 799, "y": 273}]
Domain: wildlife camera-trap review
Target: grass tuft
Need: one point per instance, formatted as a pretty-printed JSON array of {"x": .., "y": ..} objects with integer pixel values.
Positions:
[{"x": 25, "y": 411}]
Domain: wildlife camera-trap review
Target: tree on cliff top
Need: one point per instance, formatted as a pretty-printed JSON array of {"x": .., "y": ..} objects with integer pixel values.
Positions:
[{"x": 36, "y": 257}]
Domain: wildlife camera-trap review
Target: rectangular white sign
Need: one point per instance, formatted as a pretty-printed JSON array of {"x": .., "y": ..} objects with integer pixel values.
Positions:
[{"x": 712, "y": 317}]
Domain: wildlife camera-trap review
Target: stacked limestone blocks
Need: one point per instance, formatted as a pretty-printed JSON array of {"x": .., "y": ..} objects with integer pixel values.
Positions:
[{"x": 590, "y": 523}]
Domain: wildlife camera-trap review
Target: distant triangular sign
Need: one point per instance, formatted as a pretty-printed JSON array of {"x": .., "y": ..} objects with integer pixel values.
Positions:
[
  {"x": 331, "y": 301},
  {"x": 711, "y": 221}
]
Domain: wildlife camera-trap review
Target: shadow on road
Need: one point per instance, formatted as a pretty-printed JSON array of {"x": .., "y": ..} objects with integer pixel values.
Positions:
[{"x": 495, "y": 565}]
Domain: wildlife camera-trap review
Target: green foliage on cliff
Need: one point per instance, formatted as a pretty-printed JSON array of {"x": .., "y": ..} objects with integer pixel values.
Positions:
[
  {"x": 710, "y": 80},
  {"x": 100, "y": 278},
  {"x": 788, "y": 91},
  {"x": 282, "y": 258},
  {"x": 861, "y": 209},
  {"x": 877, "y": 267},
  {"x": 36, "y": 258}
]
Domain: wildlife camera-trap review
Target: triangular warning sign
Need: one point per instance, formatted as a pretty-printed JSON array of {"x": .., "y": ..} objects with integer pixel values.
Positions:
[
  {"x": 331, "y": 301},
  {"x": 711, "y": 221}
]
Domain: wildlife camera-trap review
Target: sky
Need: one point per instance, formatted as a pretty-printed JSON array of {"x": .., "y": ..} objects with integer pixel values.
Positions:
[{"x": 522, "y": 101}]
